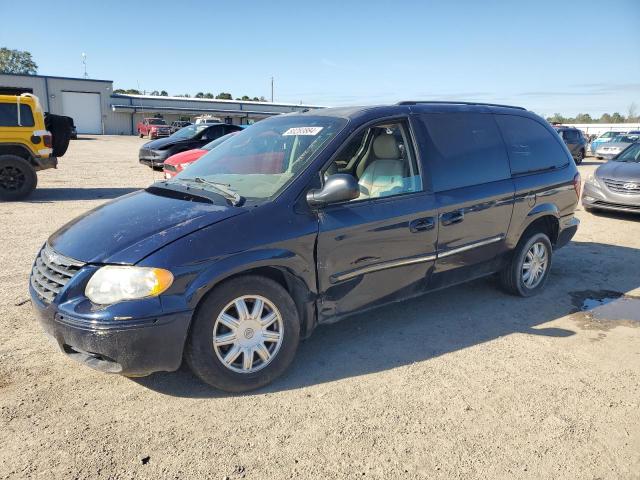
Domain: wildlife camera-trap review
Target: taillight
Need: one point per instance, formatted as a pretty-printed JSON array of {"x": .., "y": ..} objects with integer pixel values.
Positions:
[
  {"x": 577, "y": 184},
  {"x": 48, "y": 140}
]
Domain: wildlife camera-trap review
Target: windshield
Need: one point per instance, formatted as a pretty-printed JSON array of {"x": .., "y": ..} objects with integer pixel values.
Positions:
[
  {"x": 609, "y": 134},
  {"x": 156, "y": 121},
  {"x": 189, "y": 131},
  {"x": 631, "y": 154},
  {"x": 211, "y": 145},
  {"x": 624, "y": 139},
  {"x": 259, "y": 162}
]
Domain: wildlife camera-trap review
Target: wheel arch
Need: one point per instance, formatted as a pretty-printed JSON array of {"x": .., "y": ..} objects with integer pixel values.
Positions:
[
  {"x": 542, "y": 218},
  {"x": 290, "y": 275},
  {"x": 18, "y": 150}
]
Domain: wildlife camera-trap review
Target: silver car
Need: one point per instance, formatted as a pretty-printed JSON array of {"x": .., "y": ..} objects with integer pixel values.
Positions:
[
  {"x": 616, "y": 184},
  {"x": 617, "y": 144}
]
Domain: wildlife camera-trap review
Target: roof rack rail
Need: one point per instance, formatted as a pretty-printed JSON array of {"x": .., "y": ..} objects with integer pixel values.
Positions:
[{"x": 455, "y": 102}]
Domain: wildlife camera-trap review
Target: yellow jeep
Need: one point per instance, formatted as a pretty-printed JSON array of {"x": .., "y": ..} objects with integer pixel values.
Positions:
[{"x": 29, "y": 141}]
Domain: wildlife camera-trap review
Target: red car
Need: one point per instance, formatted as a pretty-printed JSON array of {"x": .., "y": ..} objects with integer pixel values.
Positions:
[
  {"x": 153, "y": 128},
  {"x": 178, "y": 162}
]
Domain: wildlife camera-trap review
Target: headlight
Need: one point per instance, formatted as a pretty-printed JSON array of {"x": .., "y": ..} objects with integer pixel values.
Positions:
[
  {"x": 593, "y": 180},
  {"x": 112, "y": 284}
]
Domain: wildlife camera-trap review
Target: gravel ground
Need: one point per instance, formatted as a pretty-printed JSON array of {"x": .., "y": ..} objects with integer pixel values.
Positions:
[{"x": 465, "y": 383}]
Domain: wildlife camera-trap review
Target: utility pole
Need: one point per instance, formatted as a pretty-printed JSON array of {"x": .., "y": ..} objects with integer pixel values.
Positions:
[
  {"x": 271, "y": 89},
  {"x": 84, "y": 65}
]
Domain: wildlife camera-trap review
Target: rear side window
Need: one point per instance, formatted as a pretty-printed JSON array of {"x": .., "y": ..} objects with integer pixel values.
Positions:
[
  {"x": 464, "y": 149},
  {"x": 9, "y": 115},
  {"x": 530, "y": 145}
]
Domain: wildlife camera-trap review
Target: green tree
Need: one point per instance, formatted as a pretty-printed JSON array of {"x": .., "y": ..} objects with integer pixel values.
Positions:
[
  {"x": 129, "y": 91},
  {"x": 583, "y": 118},
  {"x": 199, "y": 95},
  {"x": 557, "y": 118},
  {"x": 224, "y": 96},
  {"x": 617, "y": 118},
  {"x": 164, "y": 93},
  {"x": 17, "y": 61},
  {"x": 208, "y": 95},
  {"x": 605, "y": 118},
  {"x": 155, "y": 93}
]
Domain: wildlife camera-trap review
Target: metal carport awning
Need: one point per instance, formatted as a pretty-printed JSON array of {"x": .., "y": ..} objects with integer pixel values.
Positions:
[{"x": 220, "y": 111}]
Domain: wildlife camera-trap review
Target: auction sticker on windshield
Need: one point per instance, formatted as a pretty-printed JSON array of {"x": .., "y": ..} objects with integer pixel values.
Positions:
[{"x": 303, "y": 131}]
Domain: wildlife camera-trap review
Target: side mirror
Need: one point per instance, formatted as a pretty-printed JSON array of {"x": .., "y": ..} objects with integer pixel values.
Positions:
[{"x": 340, "y": 187}]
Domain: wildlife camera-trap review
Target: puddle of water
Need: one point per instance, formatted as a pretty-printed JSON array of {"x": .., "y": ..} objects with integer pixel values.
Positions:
[{"x": 605, "y": 309}]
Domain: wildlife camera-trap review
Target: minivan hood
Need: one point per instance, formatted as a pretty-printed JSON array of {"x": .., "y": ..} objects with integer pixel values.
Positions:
[
  {"x": 161, "y": 143},
  {"x": 129, "y": 228},
  {"x": 623, "y": 171}
]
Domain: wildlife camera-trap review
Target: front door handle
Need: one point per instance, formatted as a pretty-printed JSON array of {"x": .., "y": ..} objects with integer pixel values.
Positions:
[
  {"x": 421, "y": 225},
  {"x": 450, "y": 218}
]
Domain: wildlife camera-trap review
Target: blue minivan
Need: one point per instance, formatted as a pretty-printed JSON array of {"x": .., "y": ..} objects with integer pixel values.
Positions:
[{"x": 300, "y": 220}]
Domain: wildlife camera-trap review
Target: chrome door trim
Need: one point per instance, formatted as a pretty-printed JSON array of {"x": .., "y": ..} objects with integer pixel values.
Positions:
[
  {"x": 470, "y": 246},
  {"x": 382, "y": 266},
  {"x": 412, "y": 260}
]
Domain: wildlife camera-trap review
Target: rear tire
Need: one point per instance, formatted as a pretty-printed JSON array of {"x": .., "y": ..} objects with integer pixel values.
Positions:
[
  {"x": 536, "y": 251},
  {"x": 17, "y": 178},
  {"x": 580, "y": 157},
  {"x": 247, "y": 354}
]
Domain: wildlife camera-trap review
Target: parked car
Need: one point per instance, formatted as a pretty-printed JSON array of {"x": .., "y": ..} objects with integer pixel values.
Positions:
[
  {"x": 300, "y": 220},
  {"x": 178, "y": 162},
  {"x": 575, "y": 141},
  {"x": 178, "y": 124},
  {"x": 616, "y": 184},
  {"x": 156, "y": 152},
  {"x": 617, "y": 144},
  {"x": 207, "y": 119},
  {"x": 30, "y": 141},
  {"x": 604, "y": 138},
  {"x": 153, "y": 128}
]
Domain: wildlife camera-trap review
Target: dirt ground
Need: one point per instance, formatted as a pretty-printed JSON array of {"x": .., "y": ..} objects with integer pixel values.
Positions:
[{"x": 465, "y": 383}]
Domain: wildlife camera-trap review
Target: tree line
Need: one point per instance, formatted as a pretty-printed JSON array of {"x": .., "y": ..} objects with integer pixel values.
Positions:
[
  {"x": 163, "y": 93},
  {"x": 616, "y": 117}
]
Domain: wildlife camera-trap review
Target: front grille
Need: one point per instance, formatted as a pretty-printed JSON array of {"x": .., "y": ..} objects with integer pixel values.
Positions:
[
  {"x": 51, "y": 272},
  {"x": 618, "y": 186},
  {"x": 620, "y": 206}
]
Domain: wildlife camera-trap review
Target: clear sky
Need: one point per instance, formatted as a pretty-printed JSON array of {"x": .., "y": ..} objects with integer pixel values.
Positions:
[{"x": 549, "y": 56}]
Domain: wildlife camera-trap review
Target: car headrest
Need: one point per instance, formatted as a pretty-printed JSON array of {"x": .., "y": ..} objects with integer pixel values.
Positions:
[{"x": 385, "y": 147}]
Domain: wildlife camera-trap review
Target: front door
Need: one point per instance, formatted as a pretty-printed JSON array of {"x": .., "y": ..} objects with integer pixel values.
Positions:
[{"x": 381, "y": 246}]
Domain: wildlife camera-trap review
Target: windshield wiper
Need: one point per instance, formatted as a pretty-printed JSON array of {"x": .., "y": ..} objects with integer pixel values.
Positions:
[{"x": 222, "y": 188}]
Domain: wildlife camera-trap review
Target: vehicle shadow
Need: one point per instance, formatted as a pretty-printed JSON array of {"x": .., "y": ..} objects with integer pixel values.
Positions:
[
  {"x": 627, "y": 216},
  {"x": 435, "y": 324},
  {"x": 48, "y": 195}
]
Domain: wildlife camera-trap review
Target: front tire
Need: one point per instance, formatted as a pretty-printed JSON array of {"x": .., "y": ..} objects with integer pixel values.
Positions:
[
  {"x": 245, "y": 334},
  {"x": 18, "y": 178},
  {"x": 528, "y": 271}
]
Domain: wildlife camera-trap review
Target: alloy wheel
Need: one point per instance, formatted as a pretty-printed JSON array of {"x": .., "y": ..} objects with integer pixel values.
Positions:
[
  {"x": 535, "y": 265},
  {"x": 11, "y": 178},
  {"x": 248, "y": 334}
]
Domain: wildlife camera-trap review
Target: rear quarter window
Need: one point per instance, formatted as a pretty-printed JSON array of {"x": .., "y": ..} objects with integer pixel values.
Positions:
[
  {"x": 530, "y": 145},
  {"x": 464, "y": 149},
  {"x": 9, "y": 115}
]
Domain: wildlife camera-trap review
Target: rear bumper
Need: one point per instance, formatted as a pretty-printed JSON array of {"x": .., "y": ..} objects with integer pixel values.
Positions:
[
  {"x": 131, "y": 347},
  {"x": 568, "y": 228},
  {"x": 45, "y": 163}
]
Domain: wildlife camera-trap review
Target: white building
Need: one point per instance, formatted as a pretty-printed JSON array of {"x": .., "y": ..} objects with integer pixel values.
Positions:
[{"x": 96, "y": 109}]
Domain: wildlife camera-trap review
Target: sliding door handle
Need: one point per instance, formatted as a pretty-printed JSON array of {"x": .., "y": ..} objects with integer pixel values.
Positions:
[{"x": 450, "y": 218}]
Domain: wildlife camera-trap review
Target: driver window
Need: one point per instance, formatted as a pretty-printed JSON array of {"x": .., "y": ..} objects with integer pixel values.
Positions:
[{"x": 382, "y": 161}]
